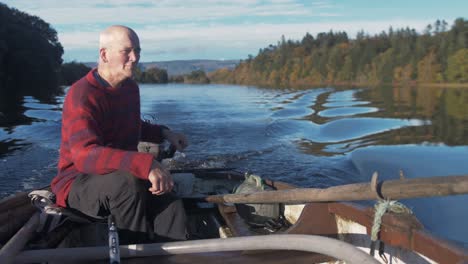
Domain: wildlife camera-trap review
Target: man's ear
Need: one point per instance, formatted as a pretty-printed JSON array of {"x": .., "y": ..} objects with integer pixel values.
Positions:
[{"x": 103, "y": 54}]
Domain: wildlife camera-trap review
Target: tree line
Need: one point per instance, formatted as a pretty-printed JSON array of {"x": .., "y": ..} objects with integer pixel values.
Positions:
[
  {"x": 70, "y": 72},
  {"x": 31, "y": 60},
  {"x": 158, "y": 75},
  {"x": 438, "y": 55},
  {"x": 30, "y": 55}
]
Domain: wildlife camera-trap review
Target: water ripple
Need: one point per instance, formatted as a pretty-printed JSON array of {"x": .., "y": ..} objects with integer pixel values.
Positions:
[
  {"x": 298, "y": 105},
  {"x": 345, "y": 103},
  {"x": 354, "y": 128},
  {"x": 347, "y": 111}
]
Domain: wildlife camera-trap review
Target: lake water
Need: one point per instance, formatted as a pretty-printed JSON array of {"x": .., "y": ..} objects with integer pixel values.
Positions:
[{"x": 312, "y": 137}]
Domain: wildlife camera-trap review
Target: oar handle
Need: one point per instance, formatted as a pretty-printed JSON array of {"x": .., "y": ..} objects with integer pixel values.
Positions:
[{"x": 390, "y": 189}]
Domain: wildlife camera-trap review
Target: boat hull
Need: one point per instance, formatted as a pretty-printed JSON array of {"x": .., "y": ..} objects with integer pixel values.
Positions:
[{"x": 405, "y": 239}]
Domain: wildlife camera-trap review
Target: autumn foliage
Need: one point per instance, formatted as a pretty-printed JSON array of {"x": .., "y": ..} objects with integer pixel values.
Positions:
[{"x": 438, "y": 55}]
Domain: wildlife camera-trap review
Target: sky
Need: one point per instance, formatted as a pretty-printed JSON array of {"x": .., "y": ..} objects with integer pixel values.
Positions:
[{"x": 226, "y": 29}]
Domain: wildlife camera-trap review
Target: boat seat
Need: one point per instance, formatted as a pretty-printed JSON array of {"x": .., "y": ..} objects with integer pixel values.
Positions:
[{"x": 53, "y": 216}]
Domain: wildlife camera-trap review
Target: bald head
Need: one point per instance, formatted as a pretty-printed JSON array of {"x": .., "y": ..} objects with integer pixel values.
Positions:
[
  {"x": 114, "y": 34},
  {"x": 119, "y": 53}
]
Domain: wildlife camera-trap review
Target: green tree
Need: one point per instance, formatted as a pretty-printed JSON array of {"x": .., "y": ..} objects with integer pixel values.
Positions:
[
  {"x": 30, "y": 56},
  {"x": 198, "y": 76},
  {"x": 72, "y": 71},
  {"x": 156, "y": 75},
  {"x": 151, "y": 75},
  {"x": 457, "y": 68}
]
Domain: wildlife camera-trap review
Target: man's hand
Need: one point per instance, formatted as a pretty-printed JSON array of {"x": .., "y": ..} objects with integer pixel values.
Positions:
[
  {"x": 160, "y": 178},
  {"x": 176, "y": 139}
]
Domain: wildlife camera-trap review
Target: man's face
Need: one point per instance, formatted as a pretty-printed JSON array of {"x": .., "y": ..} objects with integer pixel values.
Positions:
[{"x": 123, "y": 56}]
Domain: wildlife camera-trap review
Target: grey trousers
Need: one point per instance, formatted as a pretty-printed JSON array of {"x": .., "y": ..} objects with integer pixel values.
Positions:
[{"x": 139, "y": 215}]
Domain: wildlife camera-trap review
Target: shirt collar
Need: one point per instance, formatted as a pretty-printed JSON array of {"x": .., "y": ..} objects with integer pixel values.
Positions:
[{"x": 100, "y": 80}]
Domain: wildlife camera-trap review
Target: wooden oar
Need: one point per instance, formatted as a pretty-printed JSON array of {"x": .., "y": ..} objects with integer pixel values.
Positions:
[{"x": 390, "y": 189}]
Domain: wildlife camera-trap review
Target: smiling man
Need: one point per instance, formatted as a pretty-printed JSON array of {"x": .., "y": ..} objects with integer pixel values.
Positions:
[
  {"x": 119, "y": 53},
  {"x": 100, "y": 171}
]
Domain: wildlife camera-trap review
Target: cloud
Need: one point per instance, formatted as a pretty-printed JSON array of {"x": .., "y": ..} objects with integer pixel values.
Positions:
[
  {"x": 241, "y": 39},
  {"x": 58, "y": 12},
  {"x": 190, "y": 28}
]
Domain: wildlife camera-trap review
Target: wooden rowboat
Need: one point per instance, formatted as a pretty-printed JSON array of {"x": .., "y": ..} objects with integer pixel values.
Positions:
[{"x": 224, "y": 236}]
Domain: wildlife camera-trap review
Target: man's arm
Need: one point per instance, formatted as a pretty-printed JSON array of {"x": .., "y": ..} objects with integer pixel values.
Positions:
[
  {"x": 88, "y": 153},
  {"x": 159, "y": 133}
]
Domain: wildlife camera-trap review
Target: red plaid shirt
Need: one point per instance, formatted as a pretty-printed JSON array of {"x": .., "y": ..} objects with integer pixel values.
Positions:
[{"x": 101, "y": 128}]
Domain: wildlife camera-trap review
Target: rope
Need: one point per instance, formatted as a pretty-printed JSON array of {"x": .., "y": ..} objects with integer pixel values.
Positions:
[{"x": 381, "y": 207}]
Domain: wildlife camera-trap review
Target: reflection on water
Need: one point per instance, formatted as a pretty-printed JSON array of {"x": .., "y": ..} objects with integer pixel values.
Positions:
[
  {"x": 313, "y": 137},
  {"x": 347, "y": 111},
  {"x": 29, "y": 142}
]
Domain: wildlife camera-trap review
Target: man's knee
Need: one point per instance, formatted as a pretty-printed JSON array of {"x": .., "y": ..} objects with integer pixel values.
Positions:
[
  {"x": 124, "y": 180},
  {"x": 177, "y": 206},
  {"x": 124, "y": 185}
]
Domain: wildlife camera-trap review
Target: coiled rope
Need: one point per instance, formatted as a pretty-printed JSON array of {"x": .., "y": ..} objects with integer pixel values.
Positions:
[{"x": 381, "y": 207}]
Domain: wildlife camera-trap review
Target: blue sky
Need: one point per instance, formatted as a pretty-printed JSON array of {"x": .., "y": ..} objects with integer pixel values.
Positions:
[{"x": 223, "y": 29}]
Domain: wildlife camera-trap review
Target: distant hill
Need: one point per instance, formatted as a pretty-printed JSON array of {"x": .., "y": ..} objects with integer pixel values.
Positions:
[{"x": 178, "y": 67}]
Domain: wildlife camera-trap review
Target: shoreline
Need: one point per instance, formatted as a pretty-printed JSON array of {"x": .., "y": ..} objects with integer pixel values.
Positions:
[{"x": 352, "y": 84}]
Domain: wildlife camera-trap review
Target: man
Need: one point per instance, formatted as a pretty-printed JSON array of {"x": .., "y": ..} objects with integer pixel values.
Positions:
[{"x": 100, "y": 171}]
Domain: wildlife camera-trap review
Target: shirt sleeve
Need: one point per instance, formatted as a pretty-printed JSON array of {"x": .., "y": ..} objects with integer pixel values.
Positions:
[{"x": 85, "y": 141}]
